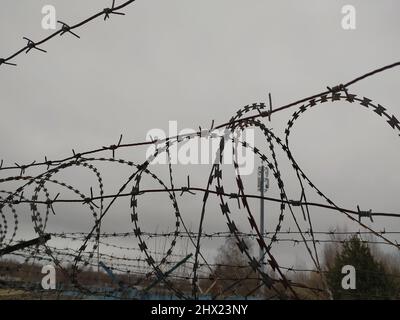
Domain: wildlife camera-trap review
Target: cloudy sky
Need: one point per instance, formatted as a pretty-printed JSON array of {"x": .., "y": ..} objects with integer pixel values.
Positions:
[{"x": 194, "y": 62}]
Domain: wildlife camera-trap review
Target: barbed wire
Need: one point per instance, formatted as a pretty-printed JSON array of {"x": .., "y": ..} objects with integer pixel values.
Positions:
[
  {"x": 116, "y": 265},
  {"x": 98, "y": 209},
  {"x": 125, "y": 268},
  {"x": 65, "y": 28},
  {"x": 36, "y": 191}
]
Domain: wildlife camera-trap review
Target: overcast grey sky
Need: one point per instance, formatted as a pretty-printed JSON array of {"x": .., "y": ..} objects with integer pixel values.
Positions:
[{"x": 197, "y": 61}]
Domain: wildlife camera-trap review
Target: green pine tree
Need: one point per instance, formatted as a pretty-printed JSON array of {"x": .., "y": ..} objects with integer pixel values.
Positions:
[{"x": 372, "y": 281}]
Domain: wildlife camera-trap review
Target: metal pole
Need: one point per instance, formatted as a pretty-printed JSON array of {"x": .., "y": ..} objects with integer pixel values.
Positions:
[
  {"x": 25, "y": 244},
  {"x": 98, "y": 255},
  {"x": 262, "y": 214}
]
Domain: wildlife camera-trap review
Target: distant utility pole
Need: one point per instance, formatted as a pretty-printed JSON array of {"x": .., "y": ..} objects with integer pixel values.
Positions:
[{"x": 263, "y": 185}]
